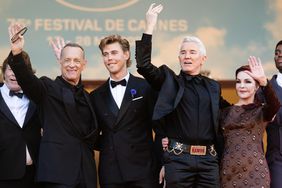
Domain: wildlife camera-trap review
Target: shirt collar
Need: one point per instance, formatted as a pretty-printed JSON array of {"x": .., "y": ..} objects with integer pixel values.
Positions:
[
  {"x": 126, "y": 78},
  {"x": 189, "y": 77},
  {"x": 279, "y": 79},
  {"x": 69, "y": 85},
  {"x": 5, "y": 90}
]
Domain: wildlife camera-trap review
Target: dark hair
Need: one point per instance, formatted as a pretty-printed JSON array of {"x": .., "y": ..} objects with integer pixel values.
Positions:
[
  {"x": 26, "y": 60},
  {"x": 279, "y": 43},
  {"x": 75, "y": 45},
  {"x": 242, "y": 68},
  {"x": 125, "y": 46}
]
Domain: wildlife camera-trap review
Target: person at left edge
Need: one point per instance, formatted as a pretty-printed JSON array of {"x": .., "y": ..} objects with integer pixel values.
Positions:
[
  {"x": 19, "y": 132},
  {"x": 66, "y": 157}
]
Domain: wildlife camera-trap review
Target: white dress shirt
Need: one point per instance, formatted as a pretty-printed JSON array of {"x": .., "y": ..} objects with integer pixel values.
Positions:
[
  {"x": 119, "y": 90},
  {"x": 18, "y": 107},
  {"x": 279, "y": 79}
]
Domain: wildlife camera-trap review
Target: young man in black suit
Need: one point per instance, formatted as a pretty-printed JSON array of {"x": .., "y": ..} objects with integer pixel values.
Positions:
[
  {"x": 191, "y": 158},
  {"x": 66, "y": 157},
  {"x": 274, "y": 128},
  {"x": 124, "y": 105},
  {"x": 19, "y": 132}
]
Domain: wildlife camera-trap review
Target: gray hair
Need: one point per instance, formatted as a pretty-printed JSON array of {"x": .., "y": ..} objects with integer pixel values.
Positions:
[{"x": 197, "y": 41}]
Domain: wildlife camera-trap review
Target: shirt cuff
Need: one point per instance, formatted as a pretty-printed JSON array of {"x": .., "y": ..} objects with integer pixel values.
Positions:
[{"x": 146, "y": 37}]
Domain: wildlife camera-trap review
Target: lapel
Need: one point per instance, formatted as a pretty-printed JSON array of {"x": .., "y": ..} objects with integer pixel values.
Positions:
[
  {"x": 30, "y": 111},
  {"x": 91, "y": 108},
  {"x": 69, "y": 105},
  {"x": 214, "y": 98},
  {"x": 107, "y": 97},
  {"x": 6, "y": 111},
  {"x": 127, "y": 98},
  {"x": 180, "y": 91},
  {"x": 276, "y": 88}
]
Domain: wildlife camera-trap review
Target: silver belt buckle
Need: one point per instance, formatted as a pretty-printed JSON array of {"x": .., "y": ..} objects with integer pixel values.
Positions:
[{"x": 177, "y": 149}]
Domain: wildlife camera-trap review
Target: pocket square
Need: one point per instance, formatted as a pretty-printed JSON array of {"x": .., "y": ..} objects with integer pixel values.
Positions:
[{"x": 137, "y": 98}]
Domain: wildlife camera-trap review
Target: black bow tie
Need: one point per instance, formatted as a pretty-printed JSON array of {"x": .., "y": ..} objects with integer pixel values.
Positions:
[
  {"x": 13, "y": 93},
  {"x": 121, "y": 82}
]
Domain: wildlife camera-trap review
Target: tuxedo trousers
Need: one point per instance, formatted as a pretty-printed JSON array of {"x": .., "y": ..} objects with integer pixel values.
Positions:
[{"x": 185, "y": 170}]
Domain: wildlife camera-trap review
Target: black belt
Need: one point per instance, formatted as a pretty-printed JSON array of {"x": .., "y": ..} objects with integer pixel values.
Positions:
[{"x": 177, "y": 148}]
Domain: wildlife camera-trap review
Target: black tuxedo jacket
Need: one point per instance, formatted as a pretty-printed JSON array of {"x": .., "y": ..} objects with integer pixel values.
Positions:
[
  {"x": 171, "y": 86},
  {"x": 65, "y": 149},
  {"x": 125, "y": 142},
  {"x": 14, "y": 139},
  {"x": 274, "y": 129}
]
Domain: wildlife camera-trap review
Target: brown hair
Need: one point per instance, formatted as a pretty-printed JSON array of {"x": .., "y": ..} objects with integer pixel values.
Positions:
[
  {"x": 242, "y": 68},
  {"x": 125, "y": 46},
  {"x": 75, "y": 45},
  {"x": 26, "y": 60}
]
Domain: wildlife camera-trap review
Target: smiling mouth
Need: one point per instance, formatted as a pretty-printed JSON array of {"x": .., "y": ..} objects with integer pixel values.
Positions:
[{"x": 187, "y": 63}]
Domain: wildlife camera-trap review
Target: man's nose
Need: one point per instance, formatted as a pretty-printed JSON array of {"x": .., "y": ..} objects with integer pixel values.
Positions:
[
  {"x": 110, "y": 56},
  {"x": 188, "y": 56}
]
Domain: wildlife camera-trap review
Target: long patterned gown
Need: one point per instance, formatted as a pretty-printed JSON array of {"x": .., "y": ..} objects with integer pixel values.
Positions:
[{"x": 243, "y": 163}]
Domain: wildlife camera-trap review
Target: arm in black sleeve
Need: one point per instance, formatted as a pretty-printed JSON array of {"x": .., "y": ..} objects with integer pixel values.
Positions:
[
  {"x": 30, "y": 84},
  {"x": 272, "y": 103},
  {"x": 151, "y": 73}
]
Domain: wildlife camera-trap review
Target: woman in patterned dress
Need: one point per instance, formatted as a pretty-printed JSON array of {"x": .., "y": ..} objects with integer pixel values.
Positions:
[{"x": 243, "y": 163}]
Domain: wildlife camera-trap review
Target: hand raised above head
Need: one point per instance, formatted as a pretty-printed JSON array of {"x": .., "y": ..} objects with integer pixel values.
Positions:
[
  {"x": 16, "y": 32},
  {"x": 57, "y": 46},
  {"x": 152, "y": 16},
  {"x": 257, "y": 71}
]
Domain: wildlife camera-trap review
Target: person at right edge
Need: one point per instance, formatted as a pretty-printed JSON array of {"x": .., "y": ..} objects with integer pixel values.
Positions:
[
  {"x": 189, "y": 105},
  {"x": 274, "y": 129}
]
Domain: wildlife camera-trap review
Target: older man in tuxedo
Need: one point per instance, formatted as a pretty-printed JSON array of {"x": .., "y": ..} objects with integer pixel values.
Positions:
[
  {"x": 19, "y": 132},
  {"x": 66, "y": 157},
  {"x": 191, "y": 159}
]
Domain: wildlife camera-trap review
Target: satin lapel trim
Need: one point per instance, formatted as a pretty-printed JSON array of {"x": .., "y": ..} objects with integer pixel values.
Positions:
[
  {"x": 180, "y": 92},
  {"x": 6, "y": 111},
  {"x": 91, "y": 109},
  {"x": 214, "y": 103},
  {"x": 109, "y": 99},
  {"x": 30, "y": 111},
  {"x": 127, "y": 99}
]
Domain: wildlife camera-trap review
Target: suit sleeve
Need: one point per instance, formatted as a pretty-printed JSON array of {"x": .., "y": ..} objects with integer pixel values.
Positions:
[
  {"x": 30, "y": 84},
  {"x": 151, "y": 73},
  {"x": 272, "y": 103}
]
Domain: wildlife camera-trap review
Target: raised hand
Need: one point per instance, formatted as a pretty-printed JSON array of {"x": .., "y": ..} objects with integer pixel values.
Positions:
[
  {"x": 57, "y": 46},
  {"x": 152, "y": 17},
  {"x": 17, "y": 45},
  {"x": 257, "y": 71}
]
